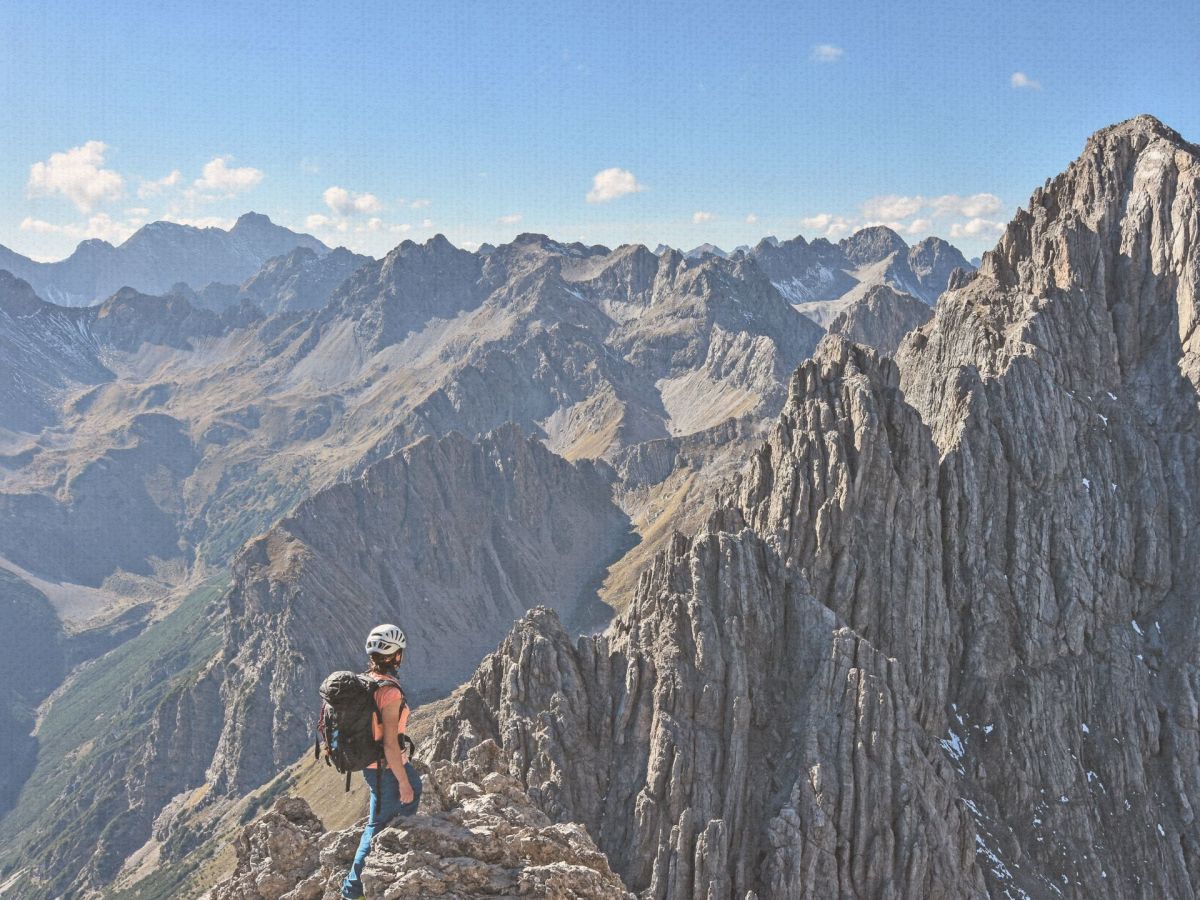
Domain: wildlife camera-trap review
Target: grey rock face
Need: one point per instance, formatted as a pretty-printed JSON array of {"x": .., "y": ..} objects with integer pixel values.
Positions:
[
  {"x": 157, "y": 256},
  {"x": 477, "y": 834},
  {"x": 880, "y": 319},
  {"x": 943, "y": 641}
]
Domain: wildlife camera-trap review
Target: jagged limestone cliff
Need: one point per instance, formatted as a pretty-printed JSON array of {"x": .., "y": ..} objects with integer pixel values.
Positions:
[{"x": 942, "y": 638}]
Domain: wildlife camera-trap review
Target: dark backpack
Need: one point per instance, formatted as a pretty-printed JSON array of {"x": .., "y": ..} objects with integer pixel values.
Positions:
[{"x": 345, "y": 724}]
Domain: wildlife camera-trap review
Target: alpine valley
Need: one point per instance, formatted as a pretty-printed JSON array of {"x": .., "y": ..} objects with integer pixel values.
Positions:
[{"x": 808, "y": 570}]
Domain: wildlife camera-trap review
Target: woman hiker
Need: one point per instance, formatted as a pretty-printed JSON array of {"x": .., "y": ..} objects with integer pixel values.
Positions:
[{"x": 397, "y": 790}]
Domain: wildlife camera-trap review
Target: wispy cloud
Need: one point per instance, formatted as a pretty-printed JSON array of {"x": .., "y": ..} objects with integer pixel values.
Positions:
[
  {"x": 78, "y": 175},
  {"x": 827, "y": 53},
  {"x": 1020, "y": 81},
  {"x": 609, "y": 184},
  {"x": 751, "y": 219},
  {"x": 700, "y": 216},
  {"x": 511, "y": 219},
  {"x": 420, "y": 203}
]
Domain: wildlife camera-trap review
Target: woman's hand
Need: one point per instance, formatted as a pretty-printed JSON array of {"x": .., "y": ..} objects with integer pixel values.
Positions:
[{"x": 406, "y": 791}]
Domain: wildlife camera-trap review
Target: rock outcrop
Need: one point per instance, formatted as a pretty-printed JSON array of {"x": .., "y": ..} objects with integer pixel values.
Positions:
[
  {"x": 941, "y": 638},
  {"x": 477, "y": 834}
]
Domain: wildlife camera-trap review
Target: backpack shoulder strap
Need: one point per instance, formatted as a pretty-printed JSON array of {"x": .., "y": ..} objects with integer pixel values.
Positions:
[{"x": 378, "y": 680}]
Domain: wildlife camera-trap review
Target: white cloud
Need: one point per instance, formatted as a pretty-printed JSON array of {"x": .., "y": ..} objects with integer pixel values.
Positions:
[
  {"x": 511, "y": 219},
  {"x": 1020, "y": 80},
  {"x": 827, "y": 53},
  {"x": 154, "y": 188},
  {"x": 348, "y": 203},
  {"x": 78, "y": 176},
  {"x": 700, "y": 216},
  {"x": 101, "y": 226},
  {"x": 751, "y": 219},
  {"x": 219, "y": 181},
  {"x": 977, "y": 227},
  {"x": 919, "y": 226},
  {"x": 891, "y": 206},
  {"x": 420, "y": 203},
  {"x": 427, "y": 223},
  {"x": 609, "y": 184},
  {"x": 970, "y": 207}
]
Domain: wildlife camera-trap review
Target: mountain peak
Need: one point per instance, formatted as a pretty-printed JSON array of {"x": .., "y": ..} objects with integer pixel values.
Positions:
[
  {"x": 253, "y": 220},
  {"x": 872, "y": 244},
  {"x": 1141, "y": 125}
]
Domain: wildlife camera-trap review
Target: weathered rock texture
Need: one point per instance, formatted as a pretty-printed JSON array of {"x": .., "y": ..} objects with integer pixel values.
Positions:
[
  {"x": 942, "y": 638},
  {"x": 477, "y": 834}
]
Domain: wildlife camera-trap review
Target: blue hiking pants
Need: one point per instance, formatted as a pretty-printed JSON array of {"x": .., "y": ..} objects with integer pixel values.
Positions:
[{"x": 385, "y": 806}]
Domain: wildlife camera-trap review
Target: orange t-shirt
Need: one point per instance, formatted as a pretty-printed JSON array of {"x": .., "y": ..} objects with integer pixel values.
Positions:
[{"x": 389, "y": 692}]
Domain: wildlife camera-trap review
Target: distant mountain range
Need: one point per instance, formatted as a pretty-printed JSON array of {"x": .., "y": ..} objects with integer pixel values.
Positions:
[{"x": 158, "y": 256}]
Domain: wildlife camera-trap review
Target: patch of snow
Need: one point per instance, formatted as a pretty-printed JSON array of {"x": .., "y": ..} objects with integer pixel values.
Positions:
[
  {"x": 1083, "y": 727},
  {"x": 953, "y": 745},
  {"x": 1111, "y": 395},
  {"x": 1135, "y": 626},
  {"x": 1087, "y": 485}
]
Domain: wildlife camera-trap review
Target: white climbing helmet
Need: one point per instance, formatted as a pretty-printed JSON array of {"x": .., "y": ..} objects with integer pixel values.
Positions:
[{"x": 386, "y": 639}]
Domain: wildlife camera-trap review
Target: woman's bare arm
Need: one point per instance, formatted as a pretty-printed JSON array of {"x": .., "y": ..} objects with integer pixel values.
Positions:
[{"x": 396, "y": 757}]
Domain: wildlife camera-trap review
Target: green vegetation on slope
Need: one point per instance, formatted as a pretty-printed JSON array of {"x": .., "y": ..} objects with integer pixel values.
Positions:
[{"x": 77, "y": 796}]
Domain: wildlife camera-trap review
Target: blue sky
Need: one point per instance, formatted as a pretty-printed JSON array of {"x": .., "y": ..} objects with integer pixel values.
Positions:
[{"x": 368, "y": 123}]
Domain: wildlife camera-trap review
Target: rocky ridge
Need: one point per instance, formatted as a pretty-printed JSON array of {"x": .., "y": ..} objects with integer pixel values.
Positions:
[
  {"x": 941, "y": 638},
  {"x": 157, "y": 256}
]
